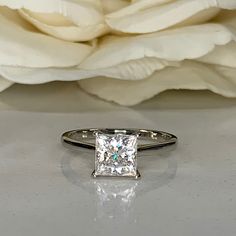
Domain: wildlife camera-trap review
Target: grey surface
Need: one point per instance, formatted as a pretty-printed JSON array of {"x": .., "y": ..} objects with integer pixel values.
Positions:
[{"x": 46, "y": 189}]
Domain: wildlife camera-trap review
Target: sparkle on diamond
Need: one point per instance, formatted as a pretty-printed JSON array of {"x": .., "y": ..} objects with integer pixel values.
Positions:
[{"x": 116, "y": 155}]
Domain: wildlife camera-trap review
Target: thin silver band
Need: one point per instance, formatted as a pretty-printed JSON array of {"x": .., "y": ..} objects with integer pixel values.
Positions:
[{"x": 86, "y": 137}]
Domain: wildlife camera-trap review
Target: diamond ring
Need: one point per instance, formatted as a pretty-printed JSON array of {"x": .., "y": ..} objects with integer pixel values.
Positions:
[{"x": 116, "y": 149}]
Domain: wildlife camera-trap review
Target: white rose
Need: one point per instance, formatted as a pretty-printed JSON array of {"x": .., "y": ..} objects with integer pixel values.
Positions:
[{"x": 123, "y": 51}]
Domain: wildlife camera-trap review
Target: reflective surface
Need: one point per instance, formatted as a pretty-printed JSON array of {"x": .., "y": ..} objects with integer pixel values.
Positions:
[
  {"x": 185, "y": 190},
  {"x": 116, "y": 196}
]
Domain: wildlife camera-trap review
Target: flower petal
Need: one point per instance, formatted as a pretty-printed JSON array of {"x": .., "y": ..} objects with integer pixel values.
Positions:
[
  {"x": 221, "y": 55},
  {"x": 90, "y": 11},
  {"x": 224, "y": 55},
  {"x": 220, "y": 80},
  {"x": 137, "y": 6},
  {"x": 151, "y": 17},
  {"x": 173, "y": 45},
  {"x": 65, "y": 31},
  {"x": 4, "y": 84},
  {"x": 22, "y": 47},
  {"x": 136, "y": 70},
  {"x": 227, "y": 18},
  {"x": 112, "y": 6}
]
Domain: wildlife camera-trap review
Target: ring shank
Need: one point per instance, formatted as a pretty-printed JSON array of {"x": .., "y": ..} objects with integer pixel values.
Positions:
[{"x": 153, "y": 139}]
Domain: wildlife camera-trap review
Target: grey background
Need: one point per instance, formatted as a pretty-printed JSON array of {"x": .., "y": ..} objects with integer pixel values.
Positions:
[{"x": 46, "y": 189}]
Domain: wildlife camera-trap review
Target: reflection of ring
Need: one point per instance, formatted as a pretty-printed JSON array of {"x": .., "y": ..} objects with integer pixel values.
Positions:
[{"x": 116, "y": 149}]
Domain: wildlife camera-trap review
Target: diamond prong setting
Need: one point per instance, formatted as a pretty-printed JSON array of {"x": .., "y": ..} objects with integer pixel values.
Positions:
[{"x": 116, "y": 155}]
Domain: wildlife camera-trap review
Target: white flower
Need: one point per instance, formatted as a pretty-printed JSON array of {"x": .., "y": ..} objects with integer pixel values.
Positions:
[{"x": 121, "y": 50}]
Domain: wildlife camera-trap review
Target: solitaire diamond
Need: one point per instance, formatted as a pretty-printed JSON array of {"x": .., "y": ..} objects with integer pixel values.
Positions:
[{"x": 116, "y": 155}]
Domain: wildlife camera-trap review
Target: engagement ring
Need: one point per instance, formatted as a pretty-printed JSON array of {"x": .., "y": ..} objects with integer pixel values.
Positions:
[{"x": 116, "y": 149}]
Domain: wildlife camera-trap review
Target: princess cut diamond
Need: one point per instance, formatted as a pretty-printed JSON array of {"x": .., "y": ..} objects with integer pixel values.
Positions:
[{"x": 116, "y": 155}]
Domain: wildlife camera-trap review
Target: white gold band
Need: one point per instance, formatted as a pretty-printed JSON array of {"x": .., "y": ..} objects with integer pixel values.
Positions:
[{"x": 153, "y": 139}]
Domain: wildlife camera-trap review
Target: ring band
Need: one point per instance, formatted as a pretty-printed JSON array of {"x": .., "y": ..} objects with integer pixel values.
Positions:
[
  {"x": 116, "y": 149},
  {"x": 80, "y": 137}
]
